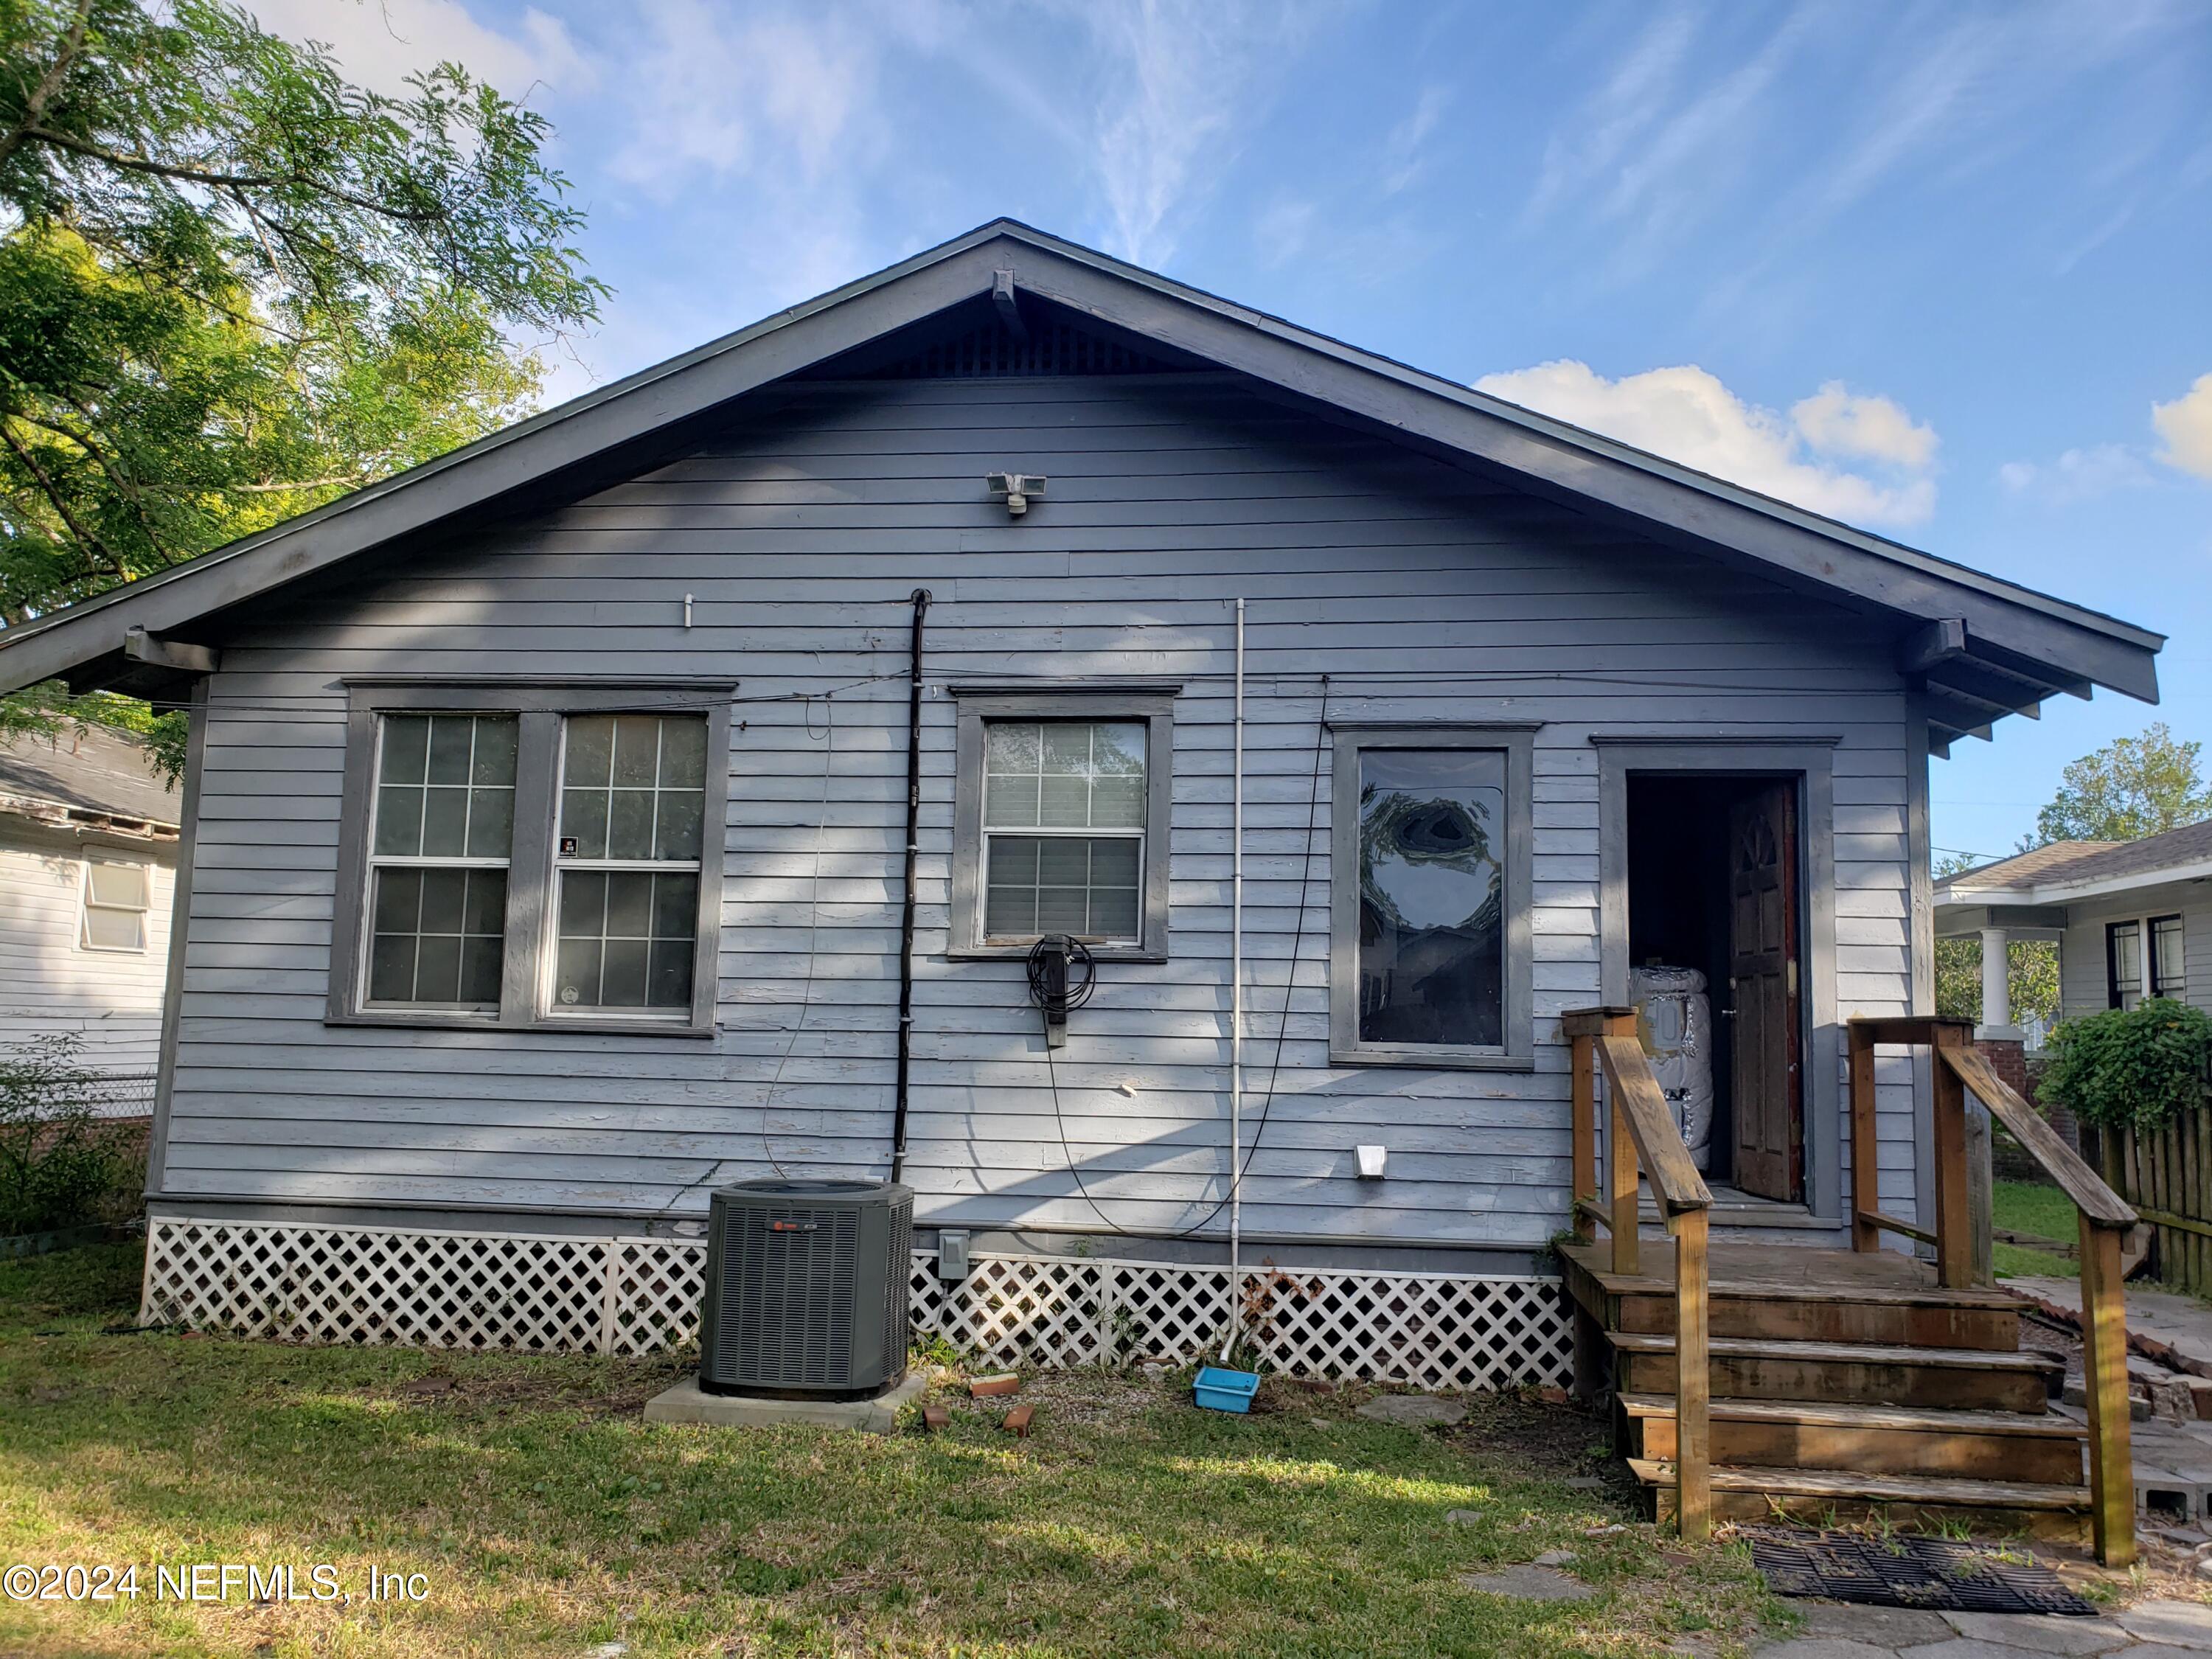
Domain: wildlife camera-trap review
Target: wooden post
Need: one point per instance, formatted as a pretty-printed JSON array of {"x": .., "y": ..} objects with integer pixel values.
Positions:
[
  {"x": 1620, "y": 1167},
  {"x": 2104, "y": 1379},
  {"x": 1693, "y": 1478},
  {"x": 1954, "y": 1264},
  {"x": 1584, "y": 1122},
  {"x": 1866, "y": 1163}
]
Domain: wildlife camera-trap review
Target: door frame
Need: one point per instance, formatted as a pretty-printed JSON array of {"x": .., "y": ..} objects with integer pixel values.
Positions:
[{"x": 1811, "y": 762}]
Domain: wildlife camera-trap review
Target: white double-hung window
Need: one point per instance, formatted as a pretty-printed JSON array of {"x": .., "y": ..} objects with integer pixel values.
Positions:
[
  {"x": 118, "y": 893},
  {"x": 1064, "y": 829},
  {"x": 1061, "y": 821}
]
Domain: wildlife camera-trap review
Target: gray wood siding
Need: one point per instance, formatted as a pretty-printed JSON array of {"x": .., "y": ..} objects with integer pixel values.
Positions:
[
  {"x": 1427, "y": 594},
  {"x": 49, "y": 983}
]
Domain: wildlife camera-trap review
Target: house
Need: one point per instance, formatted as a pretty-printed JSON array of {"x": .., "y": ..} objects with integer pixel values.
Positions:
[
  {"x": 549, "y": 858},
  {"x": 88, "y": 871},
  {"x": 2132, "y": 919}
]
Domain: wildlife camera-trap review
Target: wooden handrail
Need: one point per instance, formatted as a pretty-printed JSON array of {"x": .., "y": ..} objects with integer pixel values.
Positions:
[
  {"x": 1676, "y": 1185},
  {"x": 2060, "y": 1162},
  {"x": 1641, "y": 1131},
  {"x": 2105, "y": 1221}
]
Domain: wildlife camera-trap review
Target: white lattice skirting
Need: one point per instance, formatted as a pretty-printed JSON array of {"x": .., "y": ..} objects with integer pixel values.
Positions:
[{"x": 302, "y": 1283}]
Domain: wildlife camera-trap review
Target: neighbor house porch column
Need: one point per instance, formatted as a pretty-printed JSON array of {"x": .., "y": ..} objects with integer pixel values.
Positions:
[{"x": 1997, "y": 989}]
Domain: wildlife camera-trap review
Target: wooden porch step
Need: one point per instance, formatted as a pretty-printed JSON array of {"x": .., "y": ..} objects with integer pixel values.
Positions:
[
  {"x": 1845, "y": 1373},
  {"x": 2057, "y": 1512},
  {"x": 1833, "y": 1297},
  {"x": 1796, "y": 1434}
]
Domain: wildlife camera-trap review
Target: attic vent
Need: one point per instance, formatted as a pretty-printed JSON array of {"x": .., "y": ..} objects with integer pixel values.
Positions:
[{"x": 1053, "y": 348}]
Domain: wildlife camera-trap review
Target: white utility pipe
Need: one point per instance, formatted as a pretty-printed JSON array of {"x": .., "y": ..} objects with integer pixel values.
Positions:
[{"x": 1236, "y": 999}]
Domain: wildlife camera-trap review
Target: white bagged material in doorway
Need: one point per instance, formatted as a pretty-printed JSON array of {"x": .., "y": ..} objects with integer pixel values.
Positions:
[{"x": 1675, "y": 1019}]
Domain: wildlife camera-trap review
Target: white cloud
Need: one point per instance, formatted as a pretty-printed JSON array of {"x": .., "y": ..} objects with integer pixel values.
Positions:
[
  {"x": 1182, "y": 81},
  {"x": 1688, "y": 416},
  {"x": 721, "y": 92},
  {"x": 380, "y": 43},
  {"x": 2078, "y": 475},
  {"x": 1839, "y": 423},
  {"x": 2185, "y": 426},
  {"x": 1401, "y": 150}
]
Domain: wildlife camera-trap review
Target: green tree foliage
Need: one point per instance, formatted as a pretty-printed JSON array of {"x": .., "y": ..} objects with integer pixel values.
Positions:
[
  {"x": 2030, "y": 975},
  {"x": 2139, "y": 1065},
  {"x": 2132, "y": 788},
  {"x": 234, "y": 286}
]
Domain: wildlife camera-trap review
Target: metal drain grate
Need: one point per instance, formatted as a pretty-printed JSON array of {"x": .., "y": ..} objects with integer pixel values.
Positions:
[{"x": 1906, "y": 1571}]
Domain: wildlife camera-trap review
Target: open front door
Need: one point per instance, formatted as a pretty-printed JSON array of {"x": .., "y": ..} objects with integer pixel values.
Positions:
[{"x": 1762, "y": 985}]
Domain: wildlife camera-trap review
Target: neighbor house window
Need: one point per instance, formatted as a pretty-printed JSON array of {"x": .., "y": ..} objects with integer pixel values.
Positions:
[
  {"x": 2169, "y": 973},
  {"x": 438, "y": 858},
  {"x": 2123, "y": 979},
  {"x": 633, "y": 820},
  {"x": 1429, "y": 898},
  {"x": 532, "y": 856},
  {"x": 116, "y": 897},
  {"x": 1062, "y": 822}
]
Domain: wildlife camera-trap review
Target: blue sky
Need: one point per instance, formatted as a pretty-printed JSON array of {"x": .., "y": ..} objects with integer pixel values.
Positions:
[{"x": 1942, "y": 269}]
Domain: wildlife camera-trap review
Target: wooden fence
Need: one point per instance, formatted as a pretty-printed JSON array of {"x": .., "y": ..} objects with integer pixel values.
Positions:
[{"x": 2166, "y": 1174}]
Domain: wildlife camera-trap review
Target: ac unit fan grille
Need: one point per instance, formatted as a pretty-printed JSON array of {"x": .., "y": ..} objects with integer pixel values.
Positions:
[{"x": 788, "y": 1292}]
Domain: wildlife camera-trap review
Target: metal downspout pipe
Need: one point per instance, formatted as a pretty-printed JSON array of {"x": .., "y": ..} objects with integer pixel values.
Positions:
[{"x": 921, "y": 598}]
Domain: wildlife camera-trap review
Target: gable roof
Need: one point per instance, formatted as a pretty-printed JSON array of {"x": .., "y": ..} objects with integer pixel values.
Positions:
[
  {"x": 1984, "y": 647},
  {"x": 94, "y": 772},
  {"x": 2069, "y": 870}
]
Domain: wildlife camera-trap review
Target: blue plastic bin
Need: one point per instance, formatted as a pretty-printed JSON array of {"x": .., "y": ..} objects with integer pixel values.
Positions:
[{"x": 1219, "y": 1390}]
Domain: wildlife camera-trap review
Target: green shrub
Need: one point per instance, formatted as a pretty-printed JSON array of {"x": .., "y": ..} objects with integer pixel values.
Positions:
[
  {"x": 60, "y": 1165},
  {"x": 2139, "y": 1065}
]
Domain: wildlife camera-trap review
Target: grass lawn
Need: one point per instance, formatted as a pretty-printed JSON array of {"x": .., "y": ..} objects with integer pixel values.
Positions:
[
  {"x": 547, "y": 1517},
  {"x": 2025, "y": 1206}
]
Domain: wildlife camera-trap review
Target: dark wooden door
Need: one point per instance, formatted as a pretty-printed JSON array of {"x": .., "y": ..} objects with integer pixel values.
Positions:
[{"x": 1763, "y": 985}]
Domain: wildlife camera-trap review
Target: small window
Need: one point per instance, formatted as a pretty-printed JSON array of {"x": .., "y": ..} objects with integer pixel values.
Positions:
[
  {"x": 1429, "y": 918},
  {"x": 633, "y": 819},
  {"x": 1063, "y": 830},
  {"x": 1062, "y": 818},
  {"x": 2169, "y": 974},
  {"x": 438, "y": 859},
  {"x": 117, "y": 897},
  {"x": 2123, "y": 963}
]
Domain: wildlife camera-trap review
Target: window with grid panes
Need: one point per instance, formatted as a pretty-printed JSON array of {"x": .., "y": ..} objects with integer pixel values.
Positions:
[
  {"x": 629, "y": 836},
  {"x": 1064, "y": 816},
  {"x": 439, "y": 851}
]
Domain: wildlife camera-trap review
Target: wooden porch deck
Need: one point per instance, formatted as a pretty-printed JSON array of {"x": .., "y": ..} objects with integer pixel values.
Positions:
[{"x": 1749, "y": 1379}]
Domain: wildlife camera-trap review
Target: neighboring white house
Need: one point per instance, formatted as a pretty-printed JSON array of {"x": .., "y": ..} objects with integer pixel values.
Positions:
[
  {"x": 87, "y": 865},
  {"x": 2133, "y": 919}
]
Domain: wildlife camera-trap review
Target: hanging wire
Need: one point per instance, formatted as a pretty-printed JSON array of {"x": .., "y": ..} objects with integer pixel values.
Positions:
[{"x": 1237, "y": 1171}]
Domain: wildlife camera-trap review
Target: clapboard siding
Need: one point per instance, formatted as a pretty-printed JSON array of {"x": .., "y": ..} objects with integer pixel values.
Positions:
[
  {"x": 48, "y": 984},
  {"x": 1423, "y": 593},
  {"x": 2082, "y": 989}
]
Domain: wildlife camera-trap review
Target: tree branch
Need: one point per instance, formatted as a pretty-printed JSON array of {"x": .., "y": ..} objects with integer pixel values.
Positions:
[
  {"x": 232, "y": 181},
  {"x": 50, "y": 82},
  {"x": 61, "y": 506}
]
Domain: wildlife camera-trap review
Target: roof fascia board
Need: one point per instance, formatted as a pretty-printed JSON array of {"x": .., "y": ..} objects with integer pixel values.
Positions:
[
  {"x": 1592, "y": 446},
  {"x": 2117, "y": 656},
  {"x": 2073, "y": 892},
  {"x": 498, "y": 466}
]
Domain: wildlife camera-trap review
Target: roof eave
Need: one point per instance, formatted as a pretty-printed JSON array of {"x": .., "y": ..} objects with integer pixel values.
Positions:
[{"x": 2061, "y": 646}]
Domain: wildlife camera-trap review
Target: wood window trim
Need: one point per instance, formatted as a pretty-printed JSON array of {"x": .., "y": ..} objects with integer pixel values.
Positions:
[
  {"x": 1517, "y": 1052},
  {"x": 2149, "y": 984},
  {"x": 539, "y": 704},
  {"x": 1155, "y": 708}
]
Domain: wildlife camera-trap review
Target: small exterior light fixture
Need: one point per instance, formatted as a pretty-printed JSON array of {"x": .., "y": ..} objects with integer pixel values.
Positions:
[
  {"x": 1371, "y": 1160},
  {"x": 1016, "y": 487}
]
